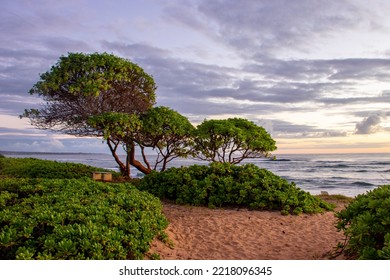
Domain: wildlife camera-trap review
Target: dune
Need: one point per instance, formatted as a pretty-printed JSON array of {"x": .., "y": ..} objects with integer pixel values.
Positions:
[{"x": 200, "y": 233}]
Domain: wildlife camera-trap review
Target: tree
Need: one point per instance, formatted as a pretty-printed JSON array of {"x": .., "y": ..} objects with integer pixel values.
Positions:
[
  {"x": 81, "y": 85},
  {"x": 231, "y": 140},
  {"x": 160, "y": 129},
  {"x": 119, "y": 130},
  {"x": 168, "y": 133}
]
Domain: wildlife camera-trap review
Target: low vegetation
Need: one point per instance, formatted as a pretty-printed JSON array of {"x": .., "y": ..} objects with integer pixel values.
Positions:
[
  {"x": 366, "y": 225},
  {"x": 53, "y": 210},
  {"x": 76, "y": 219},
  {"x": 68, "y": 218},
  {"x": 38, "y": 168},
  {"x": 225, "y": 184}
]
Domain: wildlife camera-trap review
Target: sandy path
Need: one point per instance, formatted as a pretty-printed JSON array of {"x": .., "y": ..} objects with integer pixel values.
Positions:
[{"x": 202, "y": 233}]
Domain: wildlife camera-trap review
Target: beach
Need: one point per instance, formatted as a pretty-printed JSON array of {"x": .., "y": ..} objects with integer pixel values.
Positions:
[{"x": 200, "y": 233}]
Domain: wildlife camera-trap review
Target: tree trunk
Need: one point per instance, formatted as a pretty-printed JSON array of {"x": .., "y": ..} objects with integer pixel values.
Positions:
[
  {"x": 134, "y": 162},
  {"x": 124, "y": 168}
]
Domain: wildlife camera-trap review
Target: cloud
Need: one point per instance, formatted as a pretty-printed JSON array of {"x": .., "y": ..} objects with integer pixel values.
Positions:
[
  {"x": 18, "y": 144},
  {"x": 253, "y": 90},
  {"x": 284, "y": 129},
  {"x": 36, "y": 141},
  {"x": 316, "y": 70},
  {"x": 14, "y": 105},
  {"x": 383, "y": 98},
  {"x": 267, "y": 27},
  {"x": 370, "y": 124}
]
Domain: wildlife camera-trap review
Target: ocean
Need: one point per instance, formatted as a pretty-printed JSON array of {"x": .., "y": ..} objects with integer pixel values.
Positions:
[{"x": 346, "y": 174}]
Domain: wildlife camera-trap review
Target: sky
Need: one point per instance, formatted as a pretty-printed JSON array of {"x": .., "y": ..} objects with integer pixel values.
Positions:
[{"x": 314, "y": 73}]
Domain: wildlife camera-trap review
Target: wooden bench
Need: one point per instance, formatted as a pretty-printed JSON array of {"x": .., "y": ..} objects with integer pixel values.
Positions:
[{"x": 102, "y": 176}]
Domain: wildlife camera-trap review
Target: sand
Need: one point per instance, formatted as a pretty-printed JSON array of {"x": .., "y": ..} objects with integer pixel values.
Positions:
[{"x": 200, "y": 233}]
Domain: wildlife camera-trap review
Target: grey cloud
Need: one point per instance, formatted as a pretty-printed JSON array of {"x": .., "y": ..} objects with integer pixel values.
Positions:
[
  {"x": 203, "y": 109},
  {"x": 262, "y": 26},
  {"x": 175, "y": 77},
  {"x": 370, "y": 124},
  {"x": 15, "y": 104},
  {"x": 31, "y": 139},
  {"x": 7, "y": 130},
  {"x": 11, "y": 133},
  {"x": 20, "y": 68},
  {"x": 139, "y": 51},
  {"x": 195, "y": 83},
  {"x": 49, "y": 144},
  {"x": 26, "y": 18},
  {"x": 376, "y": 69},
  {"x": 315, "y": 70},
  {"x": 366, "y": 113},
  {"x": 258, "y": 28},
  {"x": 383, "y": 98},
  {"x": 315, "y": 79},
  {"x": 62, "y": 45},
  {"x": 285, "y": 129}
]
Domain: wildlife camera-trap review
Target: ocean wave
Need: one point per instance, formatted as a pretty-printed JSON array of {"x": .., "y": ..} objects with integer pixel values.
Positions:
[
  {"x": 339, "y": 178},
  {"x": 335, "y": 166},
  {"x": 380, "y": 162},
  {"x": 279, "y": 159},
  {"x": 362, "y": 184}
]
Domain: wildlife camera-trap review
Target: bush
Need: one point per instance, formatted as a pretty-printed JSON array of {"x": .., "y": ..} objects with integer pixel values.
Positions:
[
  {"x": 366, "y": 225},
  {"x": 38, "y": 168},
  {"x": 76, "y": 219},
  {"x": 221, "y": 184}
]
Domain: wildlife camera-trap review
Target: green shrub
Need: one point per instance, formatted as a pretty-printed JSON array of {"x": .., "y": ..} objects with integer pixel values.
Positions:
[
  {"x": 38, "y": 168},
  {"x": 76, "y": 219},
  {"x": 366, "y": 225},
  {"x": 221, "y": 184}
]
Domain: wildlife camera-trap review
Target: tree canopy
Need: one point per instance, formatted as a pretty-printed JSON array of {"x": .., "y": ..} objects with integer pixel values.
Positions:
[
  {"x": 168, "y": 133},
  {"x": 82, "y": 85},
  {"x": 231, "y": 140},
  {"x": 159, "y": 129}
]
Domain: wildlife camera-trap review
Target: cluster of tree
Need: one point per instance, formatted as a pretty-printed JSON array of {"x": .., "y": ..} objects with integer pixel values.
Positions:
[{"x": 106, "y": 96}]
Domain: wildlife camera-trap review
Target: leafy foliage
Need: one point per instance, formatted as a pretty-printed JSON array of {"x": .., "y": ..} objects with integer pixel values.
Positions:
[
  {"x": 118, "y": 129},
  {"x": 38, "y": 168},
  {"x": 223, "y": 184},
  {"x": 167, "y": 132},
  {"x": 366, "y": 225},
  {"x": 76, "y": 219},
  {"x": 231, "y": 140},
  {"x": 162, "y": 129},
  {"x": 81, "y": 86}
]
